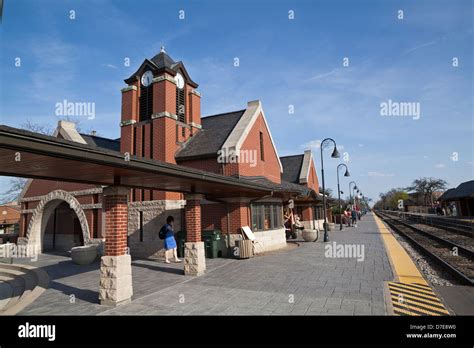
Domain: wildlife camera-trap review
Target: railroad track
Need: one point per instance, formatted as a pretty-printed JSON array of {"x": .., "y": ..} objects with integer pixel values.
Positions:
[
  {"x": 455, "y": 258},
  {"x": 459, "y": 226}
]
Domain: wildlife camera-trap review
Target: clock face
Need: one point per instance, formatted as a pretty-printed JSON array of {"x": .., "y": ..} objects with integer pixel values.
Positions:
[
  {"x": 147, "y": 77},
  {"x": 179, "y": 81}
]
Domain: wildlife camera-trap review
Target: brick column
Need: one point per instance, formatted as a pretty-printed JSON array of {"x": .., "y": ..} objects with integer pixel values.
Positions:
[
  {"x": 194, "y": 253},
  {"x": 116, "y": 266}
]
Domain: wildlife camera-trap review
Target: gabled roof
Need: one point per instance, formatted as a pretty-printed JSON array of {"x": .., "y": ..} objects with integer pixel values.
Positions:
[
  {"x": 100, "y": 142},
  {"x": 291, "y": 168},
  {"x": 209, "y": 140},
  {"x": 161, "y": 62},
  {"x": 464, "y": 190},
  {"x": 296, "y": 168},
  {"x": 244, "y": 126}
]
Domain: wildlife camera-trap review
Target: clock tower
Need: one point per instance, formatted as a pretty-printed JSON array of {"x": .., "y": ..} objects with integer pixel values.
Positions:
[{"x": 161, "y": 109}]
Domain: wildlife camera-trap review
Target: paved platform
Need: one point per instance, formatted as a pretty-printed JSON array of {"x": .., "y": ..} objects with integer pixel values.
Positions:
[{"x": 302, "y": 280}]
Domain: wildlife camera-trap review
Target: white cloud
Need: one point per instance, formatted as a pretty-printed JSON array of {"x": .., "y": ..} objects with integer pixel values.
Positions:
[
  {"x": 440, "y": 165},
  {"x": 379, "y": 174},
  {"x": 426, "y": 44},
  {"x": 323, "y": 75},
  {"x": 313, "y": 144},
  {"x": 111, "y": 66}
]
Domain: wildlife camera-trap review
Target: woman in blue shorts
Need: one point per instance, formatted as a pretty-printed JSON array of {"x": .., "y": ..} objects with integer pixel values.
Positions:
[{"x": 169, "y": 241}]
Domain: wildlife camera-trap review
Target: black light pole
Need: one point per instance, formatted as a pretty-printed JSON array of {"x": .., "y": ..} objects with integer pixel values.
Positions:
[
  {"x": 350, "y": 191},
  {"x": 339, "y": 192},
  {"x": 335, "y": 154}
]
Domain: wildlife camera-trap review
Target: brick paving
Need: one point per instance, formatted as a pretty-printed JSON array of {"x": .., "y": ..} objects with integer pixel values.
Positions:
[{"x": 294, "y": 281}]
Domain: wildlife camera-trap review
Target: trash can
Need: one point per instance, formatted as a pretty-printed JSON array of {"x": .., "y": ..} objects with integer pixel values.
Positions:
[
  {"x": 245, "y": 248},
  {"x": 213, "y": 243},
  {"x": 180, "y": 240}
]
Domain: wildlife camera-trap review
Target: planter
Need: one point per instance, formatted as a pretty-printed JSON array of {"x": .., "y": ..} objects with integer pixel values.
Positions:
[
  {"x": 84, "y": 255},
  {"x": 310, "y": 235}
]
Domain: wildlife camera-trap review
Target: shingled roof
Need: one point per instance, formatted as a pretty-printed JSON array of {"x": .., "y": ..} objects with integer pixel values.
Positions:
[
  {"x": 103, "y": 143},
  {"x": 291, "y": 168},
  {"x": 209, "y": 140},
  {"x": 464, "y": 190}
]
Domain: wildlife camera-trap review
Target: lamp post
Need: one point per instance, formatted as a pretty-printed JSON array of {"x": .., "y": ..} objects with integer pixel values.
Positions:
[
  {"x": 335, "y": 154},
  {"x": 339, "y": 192},
  {"x": 350, "y": 191}
]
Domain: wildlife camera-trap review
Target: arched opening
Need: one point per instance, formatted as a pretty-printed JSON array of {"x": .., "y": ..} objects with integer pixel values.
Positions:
[
  {"x": 58, "y": 223},
  {"x": 62, "y": 229}
]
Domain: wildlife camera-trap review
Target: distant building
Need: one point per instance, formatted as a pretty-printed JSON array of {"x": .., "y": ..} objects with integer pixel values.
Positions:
[
  {"x": 9, "y": 218},
  {"x": 462, "y": 197}
]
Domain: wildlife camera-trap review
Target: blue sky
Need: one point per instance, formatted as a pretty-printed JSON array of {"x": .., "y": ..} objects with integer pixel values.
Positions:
[{"x": 283, "y": 62}]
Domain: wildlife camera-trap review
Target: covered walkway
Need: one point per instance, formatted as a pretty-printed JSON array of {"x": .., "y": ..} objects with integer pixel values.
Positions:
[
  {"x": 32, "y": 155},
  {"x": 298, "y": 281}
]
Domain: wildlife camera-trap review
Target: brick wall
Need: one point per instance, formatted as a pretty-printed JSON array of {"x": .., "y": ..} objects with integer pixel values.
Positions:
[
  {"x": 193, "y": 220},
  {"x": 269, "y": 167},
  {"x": 214, "y": 216},
  {"x": 116, "y": 224},
  {"x": 313, "y": 182}
]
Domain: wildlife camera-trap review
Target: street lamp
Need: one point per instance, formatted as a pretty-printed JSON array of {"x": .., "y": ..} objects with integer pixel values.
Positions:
[
  {"x": 339, "y": 192},
  {"x": 350, "y": 191},
  {"x": 335, "y": 154}
]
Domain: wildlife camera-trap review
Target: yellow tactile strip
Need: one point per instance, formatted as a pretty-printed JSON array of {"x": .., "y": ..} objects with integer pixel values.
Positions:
[
  {"x": 415, "y": 299},
  {"x": 403, "y": 267}
]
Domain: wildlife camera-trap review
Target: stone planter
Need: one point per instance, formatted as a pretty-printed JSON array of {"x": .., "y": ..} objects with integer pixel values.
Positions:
[
  {"x": 310, "y": 235},
  {"x": 84, "y": 255}
]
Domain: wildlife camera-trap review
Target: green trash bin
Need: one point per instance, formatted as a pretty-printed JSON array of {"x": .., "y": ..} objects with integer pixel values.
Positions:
[
  {"x": 212, "y": 243},
  {"x": 180, "y": 240}
]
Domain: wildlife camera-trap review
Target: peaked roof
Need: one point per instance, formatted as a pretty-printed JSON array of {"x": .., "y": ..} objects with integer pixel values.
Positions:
[
  {"x": 209, "y": 140},
  {"x": 292, "y": 168},
  {"x": 100, "y": 142},
  {"x": 162, "y": 62},
  {"x": 464, "y": 190}
]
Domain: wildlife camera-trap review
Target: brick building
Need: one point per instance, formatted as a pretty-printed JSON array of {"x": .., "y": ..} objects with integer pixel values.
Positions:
[{"x": 161, "y": 121}]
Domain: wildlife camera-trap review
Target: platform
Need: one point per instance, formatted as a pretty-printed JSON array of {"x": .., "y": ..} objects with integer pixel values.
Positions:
[{"x": 304, "y": 279}]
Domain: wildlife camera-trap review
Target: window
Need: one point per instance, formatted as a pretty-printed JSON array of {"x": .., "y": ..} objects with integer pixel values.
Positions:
[
  {"x": 317, "y": 212},
  {"x": 151, "y": 141},
  {"x": 143, "y": 141},
  {"x": 266, "y": 216},
  {"x": 146, "y": 102},
  {"x": 262, "y": 152},
  {"x": 141, "y": 226},
  {"x": 134, "y": 140},
  {"x": 180, "y": 105}
]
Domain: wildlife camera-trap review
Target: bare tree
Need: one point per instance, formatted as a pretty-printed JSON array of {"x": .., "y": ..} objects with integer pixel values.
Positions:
[
  {"x": 425, "y": 187},
  {"x": 49, "y": 130},
  {"x": 13, "y": 192}
]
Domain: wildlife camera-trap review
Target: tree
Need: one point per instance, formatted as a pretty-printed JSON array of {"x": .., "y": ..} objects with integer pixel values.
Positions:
[
  {"x": 47, "y": 129},
  {"x": 12, "y": 193},
  {"x": 425, "y": 187},
  {"x": 389, "y": 199}
]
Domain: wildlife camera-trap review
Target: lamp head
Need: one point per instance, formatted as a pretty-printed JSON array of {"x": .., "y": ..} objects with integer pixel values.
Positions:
[
  {"x": 347, "y": 172},
  {"x": 335, "y": 153}
]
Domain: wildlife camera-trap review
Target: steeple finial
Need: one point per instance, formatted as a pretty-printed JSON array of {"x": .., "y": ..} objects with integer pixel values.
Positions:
[{"x": 162, "y": 49}]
